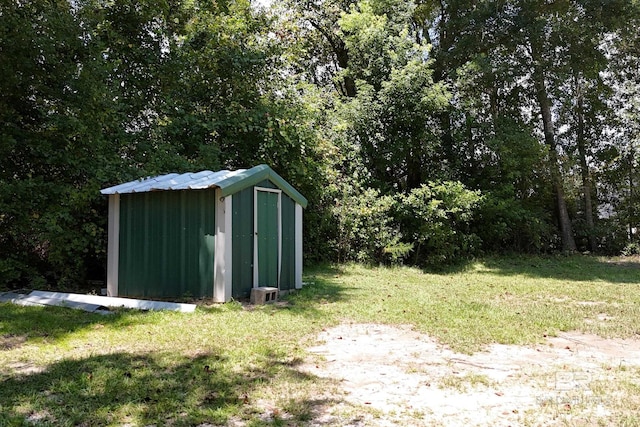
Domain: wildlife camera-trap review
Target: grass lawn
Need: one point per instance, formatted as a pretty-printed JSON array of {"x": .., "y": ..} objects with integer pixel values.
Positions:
[{"x": 227, "y": 364}]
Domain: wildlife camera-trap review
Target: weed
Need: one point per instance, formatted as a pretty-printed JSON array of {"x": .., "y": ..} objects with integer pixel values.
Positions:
[{"x": 463, "y": 382}]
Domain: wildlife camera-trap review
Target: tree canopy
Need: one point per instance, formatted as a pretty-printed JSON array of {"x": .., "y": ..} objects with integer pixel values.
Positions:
[{"x": 420, "y": 131}]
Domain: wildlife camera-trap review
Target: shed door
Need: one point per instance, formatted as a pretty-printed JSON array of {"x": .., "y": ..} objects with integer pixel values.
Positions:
[{"x": 267, "y": 237}]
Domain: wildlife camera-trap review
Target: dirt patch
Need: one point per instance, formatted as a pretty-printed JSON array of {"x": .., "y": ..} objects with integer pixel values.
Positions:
[
  {"x": 632, "y": 261},
  {"x": 396, "y": 376},
  {"x": 10, "y": 341},
  {"x": 23, "y": 368}
]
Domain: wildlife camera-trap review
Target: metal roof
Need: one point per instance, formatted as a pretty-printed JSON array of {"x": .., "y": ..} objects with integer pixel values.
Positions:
[
  {"x": 228, "y": 181},
  {"x": 173, "y": 181}
]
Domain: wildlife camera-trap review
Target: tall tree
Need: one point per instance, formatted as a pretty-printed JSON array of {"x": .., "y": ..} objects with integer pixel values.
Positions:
[
  {"x": 544, "y": 44},
  {"x": 323, "y": 53},
  {"x": 51, "y": 145},
  {"x": 620, "y": 173}
]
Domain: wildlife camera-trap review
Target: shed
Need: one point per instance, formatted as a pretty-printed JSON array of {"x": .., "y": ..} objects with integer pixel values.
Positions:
[{"x": 204, "y": 234}]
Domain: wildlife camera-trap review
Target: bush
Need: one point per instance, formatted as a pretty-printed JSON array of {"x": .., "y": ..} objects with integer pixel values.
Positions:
[
  {"x": 613, "y": 236},
  {"x": 367, "y": 231},
  {"x": 432, "y": 222},
  {"x": 436, "y": 218},
  {"x": 508, "y": 224},
  {"x": 631, "y": 249}
]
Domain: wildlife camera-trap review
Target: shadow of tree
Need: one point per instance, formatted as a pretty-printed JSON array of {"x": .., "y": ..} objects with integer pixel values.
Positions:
[
  {"x": 143, "y": 389},
  {"x": 574, "y": 268},
  {"x": 19, "y": 324},
  {"x": 562, "y": 267},
  {"x": 321, "y": 287}
]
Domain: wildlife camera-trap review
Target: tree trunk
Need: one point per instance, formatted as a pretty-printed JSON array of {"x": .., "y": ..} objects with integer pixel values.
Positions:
[
  {"x": 584, "y": 167},
  {"x": 631, "y": 203},
  {"x": 566, "y": 230},
  {"x": 342, "y": 58},
  {"x": 449, "y": 159},
  {"x": 414, "y": 170}
]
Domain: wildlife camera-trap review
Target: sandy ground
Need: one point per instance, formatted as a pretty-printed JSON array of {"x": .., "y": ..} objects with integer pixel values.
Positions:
[{"x": 395, "y": 376}]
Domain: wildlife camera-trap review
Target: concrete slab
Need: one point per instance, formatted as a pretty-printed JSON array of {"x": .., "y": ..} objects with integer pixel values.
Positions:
[
  {"x": 33, "y": 300},
  {"x": 117, "y": 301}
]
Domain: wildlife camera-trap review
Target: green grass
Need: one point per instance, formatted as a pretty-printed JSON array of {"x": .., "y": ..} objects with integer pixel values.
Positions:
[
  {"x": 226, "y": 364},
  {"x": 463, "y": 382}
]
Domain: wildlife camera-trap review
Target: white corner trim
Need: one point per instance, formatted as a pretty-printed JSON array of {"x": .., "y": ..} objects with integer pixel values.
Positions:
[
  {"x": 222, "y": 272},
  {"x": 279, "y": 236},
  {"x": 113, "y": 245},
  {"x": 298, "y": 247}
]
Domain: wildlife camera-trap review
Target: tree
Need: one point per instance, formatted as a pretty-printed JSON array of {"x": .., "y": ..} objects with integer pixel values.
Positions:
[
  {"x": 94, "y": 93},
  {"x": 620, "y": 157},
  {"x": 540, "y": 46},
  {"x": 322, "y": 53},
  {"x": 50, "y": 117},
  {"x": 393, "y": 116}
]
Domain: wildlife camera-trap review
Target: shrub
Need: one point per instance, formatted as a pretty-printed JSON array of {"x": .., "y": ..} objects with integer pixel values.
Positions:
[
  {"x": 508, "y": 224},
  {"x": 436, "y": 218},
  {"x": 366, "y": 228},
  {"x": 631, "y": 249}
]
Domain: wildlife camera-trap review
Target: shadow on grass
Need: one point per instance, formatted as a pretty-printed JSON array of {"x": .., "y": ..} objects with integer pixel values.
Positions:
[
  {"x": 321, "y": 286},
  {"x": 573, "y": 267},
  {"x": 19, "y": 324},
  {"x": 561, "y": 267},
  {"x": 149, "y": 389}
]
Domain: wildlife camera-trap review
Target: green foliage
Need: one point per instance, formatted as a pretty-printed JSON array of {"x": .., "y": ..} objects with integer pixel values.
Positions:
[
  {"x": 393, "y": 114},
  {"x": 510, "y": 225},
  {"x": 510, "y": 165},
  {"x": 95, "y": 93},
  {"x": 360, "y": 105},
  {"x": 220, "y": 101},
  {"x": 631, "y": 249},
  {"x": 397, "y": 252},
  {"x": 51, "y": 118},
  {"x": 369, "y": 44},
  {"x": 612, "y": 235},
  {"x": 366, "y": 230},
  {"x": 438, "y": 217}
]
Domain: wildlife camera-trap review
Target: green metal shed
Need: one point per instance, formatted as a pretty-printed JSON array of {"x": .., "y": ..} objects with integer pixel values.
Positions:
[{"x": 205, "y": 234}]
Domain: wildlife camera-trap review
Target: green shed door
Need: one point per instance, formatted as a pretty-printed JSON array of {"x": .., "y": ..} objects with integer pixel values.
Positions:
[{"x": 267, "y": 237}]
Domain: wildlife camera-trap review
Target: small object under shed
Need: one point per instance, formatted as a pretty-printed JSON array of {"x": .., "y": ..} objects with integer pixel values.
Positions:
[{"x": 264, "y": 295}]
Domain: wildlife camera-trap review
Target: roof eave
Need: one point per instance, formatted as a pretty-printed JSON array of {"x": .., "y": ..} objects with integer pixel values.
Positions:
[{"x": 254, "y": 176}]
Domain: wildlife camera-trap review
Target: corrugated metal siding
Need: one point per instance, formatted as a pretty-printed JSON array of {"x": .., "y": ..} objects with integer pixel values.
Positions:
[
  {"x": 267, "y": 238},
  {"x": 267, "y": 184},
  {"x": 242, "y": 245},
  {"x": 167, "y": 244},
  {"x": 287, "y": 274}
]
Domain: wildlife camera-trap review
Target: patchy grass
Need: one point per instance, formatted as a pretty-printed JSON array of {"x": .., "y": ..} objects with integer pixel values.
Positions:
[
  {"x": 463, "y": 382},
  {"x": 225, "y": 364},
  {"x": 502, "y": 300}
]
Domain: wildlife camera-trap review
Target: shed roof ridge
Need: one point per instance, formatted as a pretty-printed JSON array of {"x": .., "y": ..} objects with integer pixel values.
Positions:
[
  {"x": 229, "y": 181},
  {"x": 197, "y": 178}
]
